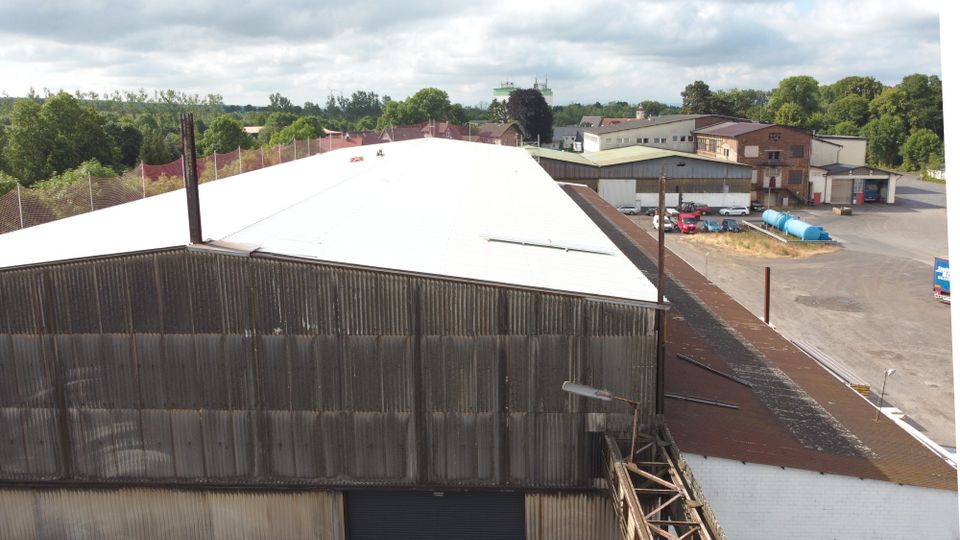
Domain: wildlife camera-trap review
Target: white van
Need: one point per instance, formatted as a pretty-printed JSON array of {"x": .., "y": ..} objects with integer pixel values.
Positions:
[{"x": 668, "y": 226}]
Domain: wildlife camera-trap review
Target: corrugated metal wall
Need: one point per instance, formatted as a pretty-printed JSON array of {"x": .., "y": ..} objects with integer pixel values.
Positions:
[
  {"x": 167, "y": 514},
  {"x": 696, "y": 176},
  {"x": 571, "y": 516},
  {"x": 190, "y": 367},
  {"x": 163, "y": 514}
]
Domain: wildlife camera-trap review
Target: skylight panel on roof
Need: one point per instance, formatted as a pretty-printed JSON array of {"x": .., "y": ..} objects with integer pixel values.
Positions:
[{"x": 548, "y": 243}]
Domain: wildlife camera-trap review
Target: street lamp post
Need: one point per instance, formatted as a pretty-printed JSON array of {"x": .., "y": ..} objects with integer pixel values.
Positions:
[
  {"x": 603, "y": 395},
  {"x": 888, "y": 372},
  {"x": 661, "y": 317}
]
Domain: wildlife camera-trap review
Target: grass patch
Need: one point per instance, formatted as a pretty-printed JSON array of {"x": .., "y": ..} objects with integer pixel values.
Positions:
[{"x": 757, "y": 244}]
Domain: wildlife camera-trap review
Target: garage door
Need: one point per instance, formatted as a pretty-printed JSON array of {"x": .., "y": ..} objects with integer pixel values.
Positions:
[
  {"x": 412, "y": 515},
  {"x": 617, "y": 192},
  {"x": 842, "y": 191}
]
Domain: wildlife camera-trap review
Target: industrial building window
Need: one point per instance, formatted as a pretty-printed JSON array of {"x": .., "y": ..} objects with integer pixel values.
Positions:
[
  {"x": 659, "y": 140},
  {"x": 726, "y": 152},
  {"x": 774, "y": 136},
  {"x": 796, "y": 150},
  {"x": 773, "y": 155},
  {"x": 642, "y": 140},
  {"x": 795, "y": 177},
  {"x": 676, "y": 138}
]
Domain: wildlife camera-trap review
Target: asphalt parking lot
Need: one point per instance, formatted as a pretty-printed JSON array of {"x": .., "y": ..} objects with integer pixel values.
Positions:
[{"x": 869, "y": 305}]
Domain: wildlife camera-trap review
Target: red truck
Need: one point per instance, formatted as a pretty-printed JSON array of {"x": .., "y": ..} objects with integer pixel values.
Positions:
[{"x": 688, "y": 223}]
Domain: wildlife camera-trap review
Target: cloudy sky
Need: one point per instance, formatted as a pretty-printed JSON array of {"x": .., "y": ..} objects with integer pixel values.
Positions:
[{"x": 590, "y": 50}]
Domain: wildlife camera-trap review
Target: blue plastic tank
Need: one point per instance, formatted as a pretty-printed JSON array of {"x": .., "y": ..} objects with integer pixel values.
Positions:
[
  {"x": 805, "y": 231},
  {"x": 775, "y": 218}
]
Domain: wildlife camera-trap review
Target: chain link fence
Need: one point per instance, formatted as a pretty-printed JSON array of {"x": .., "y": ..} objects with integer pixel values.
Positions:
[{"x": 25, "y": 207}]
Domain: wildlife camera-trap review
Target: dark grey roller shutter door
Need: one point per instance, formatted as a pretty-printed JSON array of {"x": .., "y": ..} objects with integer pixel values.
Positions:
[{"x": 415, "y": 515}]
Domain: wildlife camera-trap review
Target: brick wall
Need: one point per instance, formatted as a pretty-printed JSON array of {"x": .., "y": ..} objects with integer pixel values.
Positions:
[{"x": 783, "y": 140}]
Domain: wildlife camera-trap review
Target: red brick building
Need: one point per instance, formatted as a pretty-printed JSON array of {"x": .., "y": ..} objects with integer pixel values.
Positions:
[{"x": 779, "y": 155}]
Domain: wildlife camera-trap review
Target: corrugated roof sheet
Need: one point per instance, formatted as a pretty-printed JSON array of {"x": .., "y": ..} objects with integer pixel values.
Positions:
[
  {"x": 795, "y": 414},
  {"x": 735, "y": 129},
  {"x": 638, "y": 123},
  {"x": 616, "y": 156},
  {"x": 433, "y": 206}
]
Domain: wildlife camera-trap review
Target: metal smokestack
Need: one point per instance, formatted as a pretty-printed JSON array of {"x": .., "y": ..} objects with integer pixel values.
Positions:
[{"x": 190, "y": 177}]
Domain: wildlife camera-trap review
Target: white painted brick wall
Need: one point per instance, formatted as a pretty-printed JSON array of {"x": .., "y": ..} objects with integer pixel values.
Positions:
[{"x": 761, "y": 501}]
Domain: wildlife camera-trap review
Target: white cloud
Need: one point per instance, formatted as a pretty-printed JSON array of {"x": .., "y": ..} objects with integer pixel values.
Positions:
[{"x": 591, "y": 51}]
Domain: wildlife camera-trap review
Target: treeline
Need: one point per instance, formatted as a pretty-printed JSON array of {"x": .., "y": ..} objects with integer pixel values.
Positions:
[
  {"x": 49, "y": 137},
  {"x": 903, "y": 123},
  {"x": 54, "y": 137}
]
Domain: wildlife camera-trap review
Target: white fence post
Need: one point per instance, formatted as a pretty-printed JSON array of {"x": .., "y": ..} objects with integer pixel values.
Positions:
[
  {"x": 90, "y": 190},
  {"x": 20, "y": 204},
  {"x": 143, "y": 180},
  {"x": 215, "y": 177}
]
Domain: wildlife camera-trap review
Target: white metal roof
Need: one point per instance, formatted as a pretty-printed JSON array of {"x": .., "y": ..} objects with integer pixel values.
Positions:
[{"x": 435, "y": 206}]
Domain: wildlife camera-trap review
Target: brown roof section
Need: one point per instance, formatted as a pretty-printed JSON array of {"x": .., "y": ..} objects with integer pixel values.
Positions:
[
  {"x": 735, "y": 129},
  {"x": 792, "y": 414},
  {"x": 492, "y": 130},
  {"x": 401, "y": 133}
]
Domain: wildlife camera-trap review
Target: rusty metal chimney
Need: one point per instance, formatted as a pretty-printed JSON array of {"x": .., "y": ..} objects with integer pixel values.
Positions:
[{"x": 190, "y": 177}]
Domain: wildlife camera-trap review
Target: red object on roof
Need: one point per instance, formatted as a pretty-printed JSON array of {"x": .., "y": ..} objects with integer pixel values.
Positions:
[{"x": 355, "y": 159}]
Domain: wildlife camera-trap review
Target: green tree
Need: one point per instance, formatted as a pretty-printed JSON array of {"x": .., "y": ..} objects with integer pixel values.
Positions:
[
  {"x": 801, "y": 90},
  {"x": 279, "y": 103},
  {"x": 790, "y": 114},
  {"x": 696, "y": 98},
  {"x": 891, "y": 101},
  {"x": 924, "y": 102},
  {"x": 426, "y": 104},
  {"x": 530, "y": 110},
  {"x": 849, "y": 108},
  {"x": 127, "y": 140},
  {"x": 155, "y": 149},
  {"x": 362, "y": 103},
  {"x": 76, "y": 133},
  {"x": 884, "y": 137},
  {"x": 225, "y": 134},
  {"x": 653, "y": 109},
  {"x": 28, "y": 143},
  {"x": 254, "y": 118},
  {"x": 846, "y": 128},
  {"x": 307, "y": 127},
  {"x": 429, "y": 104},
  {"x": 865, "y": 87},
  {"x": 275, "y": 122},
  {"x": 498, "y": 112},
  {"x": 921, "y": 148}
]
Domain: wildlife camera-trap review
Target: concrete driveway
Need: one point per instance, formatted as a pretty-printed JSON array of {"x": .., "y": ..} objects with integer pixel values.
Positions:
[{"x": 869, "y": 305}]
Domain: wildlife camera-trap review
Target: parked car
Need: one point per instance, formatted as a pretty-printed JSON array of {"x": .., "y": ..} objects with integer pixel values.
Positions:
[
  {"x": 757, "y": 206},
  {"x": 688, "y": 223},
  {"x": 711, "y": 225},
  {"x": 735, "y": 211},
  {"x": 730, "y": 225},
  {"x": 668, "y": 226},
  {"x": 628, "y": 209},
  {"x": 695, "y": 208}
]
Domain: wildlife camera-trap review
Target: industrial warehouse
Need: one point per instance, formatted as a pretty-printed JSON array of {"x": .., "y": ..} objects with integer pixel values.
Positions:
[
  {"x": 631, "y": 176},
  {"x": 355, "y": 345}
]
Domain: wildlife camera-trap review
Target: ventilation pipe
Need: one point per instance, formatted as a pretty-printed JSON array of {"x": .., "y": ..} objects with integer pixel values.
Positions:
[{"x": 190, "y": 177}]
